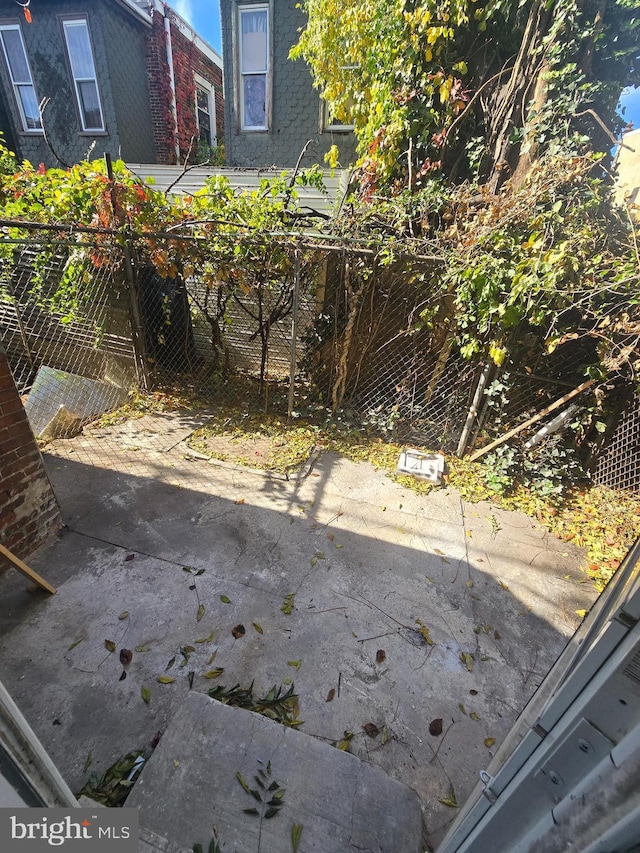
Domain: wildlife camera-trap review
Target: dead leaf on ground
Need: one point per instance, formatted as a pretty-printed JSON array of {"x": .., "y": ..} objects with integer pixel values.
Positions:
[
  {"x": 126, "y": 656},
  {"x": 146, "y": 694},
  {"x": 143, "y": 647},
  {"x": 497, "y": 635},
  {"x": 424, "y": 632},
  {"x": 129, "y": 557},
  {"x": 225, "y": 599},
  {"x": 462, "y": 708},
  {"x": 165, "y": 679},
  {"x": 77, "y": 643},
  {"x": 381, "y": 656},
  {"x": 467, "y": 660},
  {"x": 288, "y": 603},
  {"x": 214, "y": 673},
  {"x": 200, "y": 613},
  {"x": 258, "y": 627},
  {"x": 238, "y": 631},
  {"x": 109, "y": 645},
  {"x": 473, "y": 692},
  {"x": 123, "y": 615},
  {"x": 123, "y": 675},
  {"x": 449, "y": 800},
  {"x": 489, "y": 742},
  {"x": 330, "y": 695},
  {"x": 239, "y": 501},
  {"x": 371, "y": 729},
  {"x": 435, "y": 727},
  {"x": 294, "y": 663},
  {"x": 474, "y": 716}
]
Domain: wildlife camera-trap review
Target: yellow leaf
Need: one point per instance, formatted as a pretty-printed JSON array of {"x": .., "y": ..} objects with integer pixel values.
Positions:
[
  {"x": 581, "y": 613},
  {"x": 489, "y": 741},
  {"x": 214, "y": 673},
  {"x": 165, "y": 679}
]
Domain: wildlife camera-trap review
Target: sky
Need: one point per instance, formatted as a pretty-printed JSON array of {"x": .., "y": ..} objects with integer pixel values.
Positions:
[{"x": 204, "y": 17}]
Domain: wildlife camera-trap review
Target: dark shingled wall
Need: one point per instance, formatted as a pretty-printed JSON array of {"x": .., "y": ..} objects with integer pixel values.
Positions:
[
  {"x": 295, "y": 115},
  {"x": 118, "y": 44}
]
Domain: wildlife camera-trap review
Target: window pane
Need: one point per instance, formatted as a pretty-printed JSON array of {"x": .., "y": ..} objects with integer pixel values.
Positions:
[
  {"x": 30, "y": 107},
  {"x": 202, "y": 98},
  {"x": 254, "y": 40},
  {"x": 255, "y": 90},
  {"x": 79, "y": 46},
  {"x": 16, "y": 56},
  {"x": 90, "y": 105}
]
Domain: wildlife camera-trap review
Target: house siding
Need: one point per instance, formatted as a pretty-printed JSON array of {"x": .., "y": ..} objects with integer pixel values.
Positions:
[
  {"x": 125, "y": 46},
  {"x": 44, "y": 43},
  {"x": 295, "y": 108}
]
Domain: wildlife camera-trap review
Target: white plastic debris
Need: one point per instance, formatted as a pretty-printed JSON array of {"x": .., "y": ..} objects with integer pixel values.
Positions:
[{"x": 423, "y": 466}]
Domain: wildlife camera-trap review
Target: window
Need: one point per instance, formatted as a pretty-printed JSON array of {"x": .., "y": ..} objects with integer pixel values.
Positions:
[
  {"x": 330, "y": 122},
  {"x": 254, "y": 66},
  {"x": 20, "y": 73},
  {"x": 205, "y": 111},
  {"x": 83, "y": 70}
]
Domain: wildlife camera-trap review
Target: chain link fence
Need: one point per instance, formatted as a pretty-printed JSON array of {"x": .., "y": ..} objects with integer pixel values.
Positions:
[{"x": 314, "y": 329}]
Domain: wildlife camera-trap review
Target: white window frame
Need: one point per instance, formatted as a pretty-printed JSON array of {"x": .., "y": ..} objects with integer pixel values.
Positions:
[
  {"x": 209, "y": 87},
  {"x": 66, "y": 25},
  {"x": 328, "y": 122},
  {"x": 19, "y": 84},
  {"x": 242, "y": 9}
]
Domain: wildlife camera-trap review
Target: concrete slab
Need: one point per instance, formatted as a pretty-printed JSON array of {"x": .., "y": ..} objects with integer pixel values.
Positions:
[
  {"x": 342, "y": 803},
  {"x": 368, "y": 563}
]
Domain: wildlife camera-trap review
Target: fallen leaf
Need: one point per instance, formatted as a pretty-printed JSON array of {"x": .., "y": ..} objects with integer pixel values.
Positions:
[
  {"x": 186, "y": 569},
  {"x": 286, "y": 680},
  {"x": 381, "y": 656},
  {"x": 337, "y": 544},
  {"x": 489, "y": 741},
  {"x": 200, "y": 572},
  {"x": 450, "y": 800},
  {"x": 187, "y": 649},
  {"x": 439, "y": 552},
  {"x": 146, "y": 694},
  {"x": 123, "y": 675},
  {"x": 467, "y": 660},
  {"x": 77, "y": 643},
  {"x": 474, "y": 716},
  {"x": 344, "y": 743},
  {"x": 170, "y": 664},
  {"x": 581, "y": 613},
  {"x": 190, "y": 676},
  {"x": 435, "y": 727},
  {"x": 200, "y": 613},
  {"x": 123, "y": 615},
  {"x": 239, "y": 501},
  {"x": 385, "y": 736},
  {"x": 205, "y": 639},
  {"x": 296, "y": 663},
  {"x": 242, "y": 782},
  {"x": 473, "y": 692},
  {"x": 424, "y": 632},
  {"x": 165, "y": 679},
  {"x": 296, "y": 835},
  {"x": 469, "y": 584},
  {"x": 142, "y": 648},
  {"x": 503, "y": 585},
  {"x": 462, "y": 708},
  {"x": 287, "y": 604},
  {"x": 129, "y": 557},
  {"x": 212, "y": 658},
  {"x": 214, "y": 673},
  {"x": 258, "y": 627},
  {"x": 88, "y": 762},
  {"x": 497, "y": 635},
  {"x": 330, "y": 537},
  {"x": 176, "y": 763},
  {"x": 109, "y": 645},
  {"x": 225, "y": 599},
  {"x": 330, "y": 695},
  {"x": 126, "y": 656},
  {"x": 238, "y": 631},
  {"x": 371, "y": 729}
]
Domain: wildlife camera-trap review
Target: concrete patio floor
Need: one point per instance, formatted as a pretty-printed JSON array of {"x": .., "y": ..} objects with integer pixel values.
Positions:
[{"x": 368, "y": 564}]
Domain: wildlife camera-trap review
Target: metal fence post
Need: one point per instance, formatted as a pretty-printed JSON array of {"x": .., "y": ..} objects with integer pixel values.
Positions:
[{"x": 294, "y": 332}]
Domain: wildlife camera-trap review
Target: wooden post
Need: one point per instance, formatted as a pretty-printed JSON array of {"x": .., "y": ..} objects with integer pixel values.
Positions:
[{"x": 26, "y": 571}]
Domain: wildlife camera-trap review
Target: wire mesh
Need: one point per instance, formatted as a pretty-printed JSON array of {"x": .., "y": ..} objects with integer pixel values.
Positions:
[
  {"x": 362, "y": 348},
  {"x": 619, "y": 464}
]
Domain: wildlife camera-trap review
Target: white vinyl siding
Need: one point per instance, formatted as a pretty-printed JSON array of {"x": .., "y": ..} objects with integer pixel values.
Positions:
[
  {"x": 20, "y": 73},
  {"x": 83, "y": 70},
  {"x": 253, "y": 58}
]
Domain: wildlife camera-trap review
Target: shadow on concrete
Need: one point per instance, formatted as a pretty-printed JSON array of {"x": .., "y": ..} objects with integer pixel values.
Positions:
[{"x": 369, "y": 566}]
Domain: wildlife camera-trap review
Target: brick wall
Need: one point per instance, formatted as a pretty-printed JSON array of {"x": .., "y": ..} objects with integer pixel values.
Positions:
[
  {"x": 29, "y": 514},
  {"x": 188, "y": 61}
]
